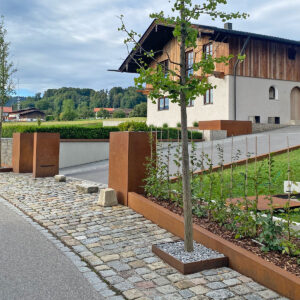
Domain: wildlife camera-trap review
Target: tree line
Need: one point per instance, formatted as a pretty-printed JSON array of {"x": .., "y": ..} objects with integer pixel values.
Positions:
[{"x": 68, "y": 103}]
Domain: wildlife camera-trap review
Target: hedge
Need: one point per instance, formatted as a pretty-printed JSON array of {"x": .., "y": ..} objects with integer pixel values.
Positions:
[
  {"x": 95, "y": 132},
  {"x": 66, "y": 131}
]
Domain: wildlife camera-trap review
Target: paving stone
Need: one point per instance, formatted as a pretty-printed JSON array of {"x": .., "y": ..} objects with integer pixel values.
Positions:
[
  {"x": 124, "y": 286},
  {"x": 166, "y": 289},
  {"x": 199, "y": 290},
  {"x": 216, "y": 285},
  {"x": 118, "y": 266},
  {"x": 184, "y": 284},
  {"x": 253, "y": 297},
  {"x": 132, "y": 294},
  {"x": 240, "y": 289},
  {"x": 231, "y": 282},
  {"x": 220, "y": 294},
  {"x": 267, "y": 294},
  {"x": 107, "y": 258},
  {"x": 186, "y": 294},
  {"x": 86, "y": 188}
]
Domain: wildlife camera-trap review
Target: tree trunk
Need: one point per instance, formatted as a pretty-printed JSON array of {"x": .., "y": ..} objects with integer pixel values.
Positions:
[
  {"x": 186, "y": 184},
  {"x": 1, "y": 120}
]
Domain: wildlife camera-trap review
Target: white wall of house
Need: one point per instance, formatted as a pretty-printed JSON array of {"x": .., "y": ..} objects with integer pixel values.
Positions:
[
  {"x": 252, "y": 100},
  {"x": 219, "y": 110}
]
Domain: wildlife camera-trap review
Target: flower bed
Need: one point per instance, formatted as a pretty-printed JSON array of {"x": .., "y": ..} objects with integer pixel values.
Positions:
[{"x": 242, "y": 259}]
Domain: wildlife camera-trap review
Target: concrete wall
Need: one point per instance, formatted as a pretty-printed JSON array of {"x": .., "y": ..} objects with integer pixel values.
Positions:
[
  {"x": 78, "y": 153},
  {"x": 219, "y": 110},
  {"x": 6, "y": 152},
  {"x": 252, "y": 100},
  {"x": 266, "y": 127},
  {"x": 111, "y": 123}
]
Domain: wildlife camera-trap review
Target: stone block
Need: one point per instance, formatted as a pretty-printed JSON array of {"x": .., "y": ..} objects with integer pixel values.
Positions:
[
  {"x": 87, "y": 188},
  {"x": 108, "y": 197},
  {"x": 60, "y": 178},
  {"x": 214, "y": 135}
]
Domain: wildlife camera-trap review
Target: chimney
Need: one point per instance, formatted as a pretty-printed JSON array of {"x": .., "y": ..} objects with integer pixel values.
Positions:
[{"x": 228, "y": 26}]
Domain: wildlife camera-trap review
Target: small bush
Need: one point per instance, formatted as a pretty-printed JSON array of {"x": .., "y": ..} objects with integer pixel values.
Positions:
[
  {"x": 133, "y": 126},
  {"x": 178, "y": 125},
  {"x": 195, "y": 124},
  {"x": 50, "y": 118},
  {"x": 165, "y": 125}
]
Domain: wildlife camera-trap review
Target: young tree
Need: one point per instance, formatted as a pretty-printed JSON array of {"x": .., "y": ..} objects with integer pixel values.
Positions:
[
  {"x": 68, "y": 111},
  {"x": 178, "y": 82},
  {"x": 6, "y": 72}
]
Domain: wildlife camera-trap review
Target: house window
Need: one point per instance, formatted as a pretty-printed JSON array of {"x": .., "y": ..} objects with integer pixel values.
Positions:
[
  {"x": 208, "y": 50},
  {"x": 274, "y": 120},
  {"x": 209, "y": 97},
  {"x": 189, "y": 62},
  {"x": 292, "y": 53},
  {"x": 163, "y": 103},
  {"x": 191, "y": 103},
  {"x": 273, "y": 93},
  {"x": 165, "y": 66}
]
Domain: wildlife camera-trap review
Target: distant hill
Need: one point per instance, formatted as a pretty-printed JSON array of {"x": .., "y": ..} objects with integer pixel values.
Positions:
[{"x": 13, "y": 100}]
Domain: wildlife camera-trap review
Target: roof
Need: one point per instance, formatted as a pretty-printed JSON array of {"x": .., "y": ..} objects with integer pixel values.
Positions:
[
  {"x": 26, "y": 111},
  {"x": 96, "y": 109},
  {"x": 7, "y": 109},
  {"x": 157, "y": 35}
]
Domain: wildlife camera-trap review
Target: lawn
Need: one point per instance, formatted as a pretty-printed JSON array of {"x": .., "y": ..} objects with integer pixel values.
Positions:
[
  {"x": 77, "y": 122},
  {"x": 279, "y": 173}
]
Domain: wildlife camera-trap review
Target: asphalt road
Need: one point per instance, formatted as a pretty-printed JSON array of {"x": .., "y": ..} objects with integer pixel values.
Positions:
[
  {"x": 31, "y": 267},
  {"x": 98, "y": 172}
]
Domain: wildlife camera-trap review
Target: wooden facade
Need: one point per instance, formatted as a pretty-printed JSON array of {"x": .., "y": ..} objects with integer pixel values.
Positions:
[{"x": 264, "y": 58}]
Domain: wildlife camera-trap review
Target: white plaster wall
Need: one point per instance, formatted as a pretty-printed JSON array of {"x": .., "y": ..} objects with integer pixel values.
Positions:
[
  {"x": 219, "y": 110},
  {"x": 253, "y": 98},
  {"x": 78, "y": 153}
]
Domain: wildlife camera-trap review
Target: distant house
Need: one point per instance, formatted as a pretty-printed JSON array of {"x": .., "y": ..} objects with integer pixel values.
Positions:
[
  {"x": 264, "y": 88},
  {"x": 6, "y": 111},
  {"x": 26, "y": 115},
  {"x": 111, "y": 110}
]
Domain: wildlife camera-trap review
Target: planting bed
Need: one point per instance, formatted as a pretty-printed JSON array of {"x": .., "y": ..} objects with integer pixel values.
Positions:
[{"x": 285, "y": 262}]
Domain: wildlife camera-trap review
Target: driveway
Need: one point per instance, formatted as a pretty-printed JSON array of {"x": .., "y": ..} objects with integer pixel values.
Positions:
[{"x": 98, "y": 172}]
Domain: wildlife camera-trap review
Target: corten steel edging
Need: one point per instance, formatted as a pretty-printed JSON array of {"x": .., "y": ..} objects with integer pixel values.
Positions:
[
  {"x": 190, "y": 268},
  {"x": 243, "y": 161},
  {"x": 107, "y": 140},
  {"x": 240, "y": 259}
]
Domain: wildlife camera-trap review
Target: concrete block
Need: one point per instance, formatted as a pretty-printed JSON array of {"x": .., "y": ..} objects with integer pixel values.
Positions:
[
  {"x": 291, "y": 187},
  {"x": 213, "y": 135},
  {"x": 108, "y": 197},
  {"x": 60, "y": 178},
  {"x": 87, "y": 188}
]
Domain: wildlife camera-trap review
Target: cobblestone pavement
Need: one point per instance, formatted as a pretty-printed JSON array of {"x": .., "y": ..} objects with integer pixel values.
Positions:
[{"x": 114, "y": 245}]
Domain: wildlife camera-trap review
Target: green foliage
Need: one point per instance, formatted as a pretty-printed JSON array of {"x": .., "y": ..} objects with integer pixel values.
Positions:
[
  {"x": 178, "y": 125},
  {"x": 140, "y": 110},
  {"x": 165, "y": 125},
  {"x": 68, "y": 111},
  {"x": 103, "y": 113},
  {"x": 50, "y": 118},
  {"x": 66, "y": 131},
  {"x": 39, "y": 122},
  {"x": 195, "y": 124},
  {"x": 119, "y": 113}
]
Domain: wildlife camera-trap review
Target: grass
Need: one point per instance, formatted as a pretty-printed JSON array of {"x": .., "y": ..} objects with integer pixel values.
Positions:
[
  {"x": 279, "y": 175},
  {"x": 294, "y": 215},
  {"x": 76, "y": 122}
]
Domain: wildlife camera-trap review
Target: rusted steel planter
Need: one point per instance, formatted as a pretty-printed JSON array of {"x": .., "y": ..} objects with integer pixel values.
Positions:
[
  {"x": 190, "y": 268},
  {"x": 240, "y": 259}
]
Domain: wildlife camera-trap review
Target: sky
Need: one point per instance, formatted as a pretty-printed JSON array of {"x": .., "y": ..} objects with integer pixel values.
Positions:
[{"x": 72, "y": 43}]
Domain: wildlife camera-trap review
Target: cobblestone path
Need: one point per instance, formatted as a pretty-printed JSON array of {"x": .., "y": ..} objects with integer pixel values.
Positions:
[{"x": 114, "y": 245}]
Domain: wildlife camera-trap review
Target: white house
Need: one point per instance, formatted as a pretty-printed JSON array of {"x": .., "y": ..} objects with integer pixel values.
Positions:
[{"x": 264, "y": 88}]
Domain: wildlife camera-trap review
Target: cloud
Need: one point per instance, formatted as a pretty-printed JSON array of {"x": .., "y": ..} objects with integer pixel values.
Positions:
[{"x": 72, "y": 43}]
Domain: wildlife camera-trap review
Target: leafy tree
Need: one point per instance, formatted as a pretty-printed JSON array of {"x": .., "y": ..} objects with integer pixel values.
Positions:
[
  {"x": 181, "y": 87},
  {"x": 119, "y": 113},
  {"x": 103, "y": 113},
  {"x": 140, "y": 110},
  {"x": 6, "y": 72},
  {"x": 84, "y": 111},
  {"x": 68, "y": 111}
]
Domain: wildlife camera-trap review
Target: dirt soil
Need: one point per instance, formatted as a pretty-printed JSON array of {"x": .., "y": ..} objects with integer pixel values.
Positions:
[{"x": 283, "y": 261}]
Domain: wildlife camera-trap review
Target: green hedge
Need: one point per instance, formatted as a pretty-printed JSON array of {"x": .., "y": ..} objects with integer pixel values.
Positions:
[
  {"x": 94, "y": 132},
  {"x": 66, "y": 131}
]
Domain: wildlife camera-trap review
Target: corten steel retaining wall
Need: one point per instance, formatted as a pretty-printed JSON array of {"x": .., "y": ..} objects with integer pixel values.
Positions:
[
  {"x": 6, "y": 152},
  {"x": 240, "y": 259},
  {"x": 233, "y": 128}
]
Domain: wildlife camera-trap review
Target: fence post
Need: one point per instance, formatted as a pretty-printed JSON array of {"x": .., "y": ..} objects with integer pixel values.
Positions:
[{"x": 128, "y": 152}]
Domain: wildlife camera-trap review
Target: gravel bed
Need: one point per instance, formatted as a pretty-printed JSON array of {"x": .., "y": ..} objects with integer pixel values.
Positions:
[{"x": 200, "y": 252}]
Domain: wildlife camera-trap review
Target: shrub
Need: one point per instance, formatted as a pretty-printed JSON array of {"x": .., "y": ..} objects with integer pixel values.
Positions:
[
  {"x": 195, "y": 124},
  {"x": 50, "y": 118},
  {"x": 133, "y": 126},
  {"x": 165, "y": 125},
  {"x": 178, "y": 125},
  {"x": 119, "y": 113},
  {"x": 66, "y": 131}
]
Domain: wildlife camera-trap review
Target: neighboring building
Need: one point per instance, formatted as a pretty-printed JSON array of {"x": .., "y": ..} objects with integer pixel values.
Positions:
[
  {"x": 111, "y": 110},
  {"x": 6, "y": 111},
  {"x": 26, "y": 115},
  {"x": 267, "y": 85}
]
